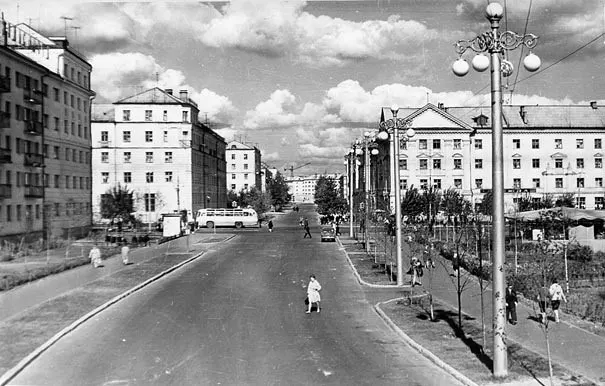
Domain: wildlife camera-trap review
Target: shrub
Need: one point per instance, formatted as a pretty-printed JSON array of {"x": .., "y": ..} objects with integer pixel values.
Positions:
[{"x": 581, "y": 253}]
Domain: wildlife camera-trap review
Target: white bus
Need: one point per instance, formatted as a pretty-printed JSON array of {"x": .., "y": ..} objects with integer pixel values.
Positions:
[{"x": 221, "y": 217}]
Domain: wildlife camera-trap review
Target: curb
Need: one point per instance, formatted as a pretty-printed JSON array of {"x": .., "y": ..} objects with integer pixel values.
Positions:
[
  {"x": 10, "y": 374},
  {"x": 358, "y": 276},
  {"x": 426, "y": 353}
]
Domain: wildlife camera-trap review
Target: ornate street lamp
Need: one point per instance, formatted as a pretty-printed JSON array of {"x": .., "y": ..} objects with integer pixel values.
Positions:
[
  {"x": 392, "y": 126},
  {"x": 495, "y": 43}
]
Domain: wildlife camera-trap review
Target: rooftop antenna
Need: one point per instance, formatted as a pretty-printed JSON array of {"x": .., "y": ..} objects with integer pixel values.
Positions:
[
  {"x": 76, "y": 28},
  {"x": 65, "y": 18}
]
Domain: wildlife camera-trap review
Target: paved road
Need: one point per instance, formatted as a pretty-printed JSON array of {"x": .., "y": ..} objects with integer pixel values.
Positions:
[{"x": 236, "y": 317}]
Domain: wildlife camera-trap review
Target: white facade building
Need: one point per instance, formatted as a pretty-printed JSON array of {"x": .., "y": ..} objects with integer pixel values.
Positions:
[
  {"x": 302, "y": 188},
  {"x": 244, "y": 169}
]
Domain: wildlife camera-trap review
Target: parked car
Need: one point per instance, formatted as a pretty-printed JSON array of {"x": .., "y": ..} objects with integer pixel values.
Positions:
[{"x": 328, "y": 234}]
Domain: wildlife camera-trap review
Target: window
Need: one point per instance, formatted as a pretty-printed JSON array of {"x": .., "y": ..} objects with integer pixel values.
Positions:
[
  {"x": 457, "y": 144},
  {"x": 403, "y": 184},
  {"x": 478, "y": 144},
  {"x": 168, "y": 176},
  {"x": 516, "y": 163},
  {"x": 245, "y": 186},
  {"x": 457, "y": 163},
  {"x": 127, "y": 157},
  {"x": 104, "y": 157},
  {"x": 126, "y": 115},
  {"x": 56, "y": 178},
  {"x": 516, "y": 183},
  {"x": 581, "y": 202},
  {"x": 458, "y": 183},
  {"x": 232, "y": 186},
  {"x": 168, "y": 157},
  {"x": 56, "y": 94},
  {"x": 232, "y": 166},
  {"x": 185, "y": 116},
  {"x": 436, "y": 164},
  {"x": 149, "y": 199},
  {"x": 245, "y": 176},
  {"x": 558, "y": 182},
  {"x": 516, "y": 143},
  {"x": 104, "y": 136},
  {"x": 436, "y": 144},
  {"x": 580, "y": 163},
  {"x": 56, "y": 120},
  {"x": 424, "y": 164},
  {"x": 598, "y": 202},
  {"x": 68, "y": 153},
  {"x": 165, "y": 115},
  {"x": 437, "y": 183},
  {"x": 579, "y": 182},
  {"x": 245, "y": 156},
  {"x": 104, "y": 178},
  {"x": 74, "y": 182},
  {"x": 535, "y": 163},
  {"x": 9, "y": 210},
  {"x": 424, "y": 183},
  {"x": 535, "y": 143},
  {"x": 535, "y": 182},
  {"x": 598, "y": 182},
  {"x": 422, "y": 144},
  {"x": 18, "y": 212},
  {"x": 165, "y": 136},
  {"x": 598, "y": 163},
  {"x": 479, "y": 164},
  {"x": 233, "y": 176},
  {"x": 245, "y": 166},
  {"x": 232, "y": 156},
  {"x": 149, "y": 157},
  {"x": 478, "y": 183},
  {"x": 126, "y": 136},
  {"x": 558, "y": 143},
  {"x": 598, "y": 143},
  {"x": 65, "y": 126},
  {"x": 149, "y": 136},
  {"x": 559, "y": 163},
  {"x": 579, "y": 144},
  {"x": 403, "y": 164},
  {"x": 149, "y": 177},
  {"x": 403, "y": 144},
  {"x": 148, "y": 115}
]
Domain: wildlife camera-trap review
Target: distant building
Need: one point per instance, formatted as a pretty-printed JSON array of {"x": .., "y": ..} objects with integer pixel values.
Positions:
[
  {"x": 45, "y": 171},
  {"x": 244, "y": 169},
  {"x": 302, "y": 188},
  {"x": 153, "y": 144}
]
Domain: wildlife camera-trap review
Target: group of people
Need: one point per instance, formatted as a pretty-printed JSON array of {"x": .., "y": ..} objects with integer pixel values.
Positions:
[
  {"x": 95, "y": 255},
  {"x": 553, "y": 295}
]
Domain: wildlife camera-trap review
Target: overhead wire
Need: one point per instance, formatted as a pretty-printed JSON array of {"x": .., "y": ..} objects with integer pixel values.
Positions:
[{"x": 512, "y": 89}]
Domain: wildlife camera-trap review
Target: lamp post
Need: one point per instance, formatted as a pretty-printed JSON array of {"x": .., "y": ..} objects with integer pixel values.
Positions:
[
  {"x": 495, "y": 43},
  {"x": 369, "y": 149},
  {"x": 394, "y": 125},
  {"x": 350, "y": 163}
]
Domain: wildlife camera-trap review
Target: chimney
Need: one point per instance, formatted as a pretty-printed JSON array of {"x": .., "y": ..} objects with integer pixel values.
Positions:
[
  {"x": 440, "y": 106},
  {"x": 523, "y": 114},
  {"x": 169, "y": 91},
  {"x": 183, "y": 95},
  {"x": 593, "y": 104}
]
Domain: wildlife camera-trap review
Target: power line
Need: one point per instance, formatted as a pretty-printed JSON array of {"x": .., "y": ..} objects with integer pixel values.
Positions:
[{"x": 512, "y": 90}]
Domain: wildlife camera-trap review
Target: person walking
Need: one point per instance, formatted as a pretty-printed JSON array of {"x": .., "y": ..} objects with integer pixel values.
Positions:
[
  {"x": 417, "y": 271},
  {"x": 125, "y": 251},
  {"x": 95, "y": 257},
  {"x": 270, "y": 225},
  {"x": 543, "y": 298},
  {"x": 307, "y": 229},
  {"x": 511, "y": 304},
  {"x": 556, "y": 294},
  {"x": 313, "y": 293}
]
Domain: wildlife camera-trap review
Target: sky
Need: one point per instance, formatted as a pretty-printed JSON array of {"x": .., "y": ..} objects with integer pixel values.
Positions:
[{"x": 301, "y": 80}]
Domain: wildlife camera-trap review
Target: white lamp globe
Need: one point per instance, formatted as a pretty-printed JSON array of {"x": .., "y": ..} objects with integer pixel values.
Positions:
[
  {"x": 394, "y": 108},
  {"x": 494, "y": 11},
  {"x": 359, "y": 151},
  {"x": 480, "y": 63},
  {"x": 375, "y": 152},
  {"x": 532, "y": 62},
  {"x": 410, "y": 132},
  {"x": 383, "y": 135},
  {"x": 460, "y": 67},
  {"x": 358, "y": 163}
]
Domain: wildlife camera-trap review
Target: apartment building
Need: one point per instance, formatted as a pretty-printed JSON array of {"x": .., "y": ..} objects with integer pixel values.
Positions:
[
  {"x": 45, "y": 171},
  {"x": 244, "y": 169},
  {"x": 302, "y": 188},
  {"x": 547, "y": 150},
  {"x": 152, "y": 144}
]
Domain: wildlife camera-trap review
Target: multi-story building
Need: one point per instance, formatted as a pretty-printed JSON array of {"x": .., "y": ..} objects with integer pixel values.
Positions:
[
  {"x": 550, "y": 150},
  {"x": 45, "y": 171},
  {"x": 244, "y": 169},
  {"x": 302, "y": 188},
  {"x": 153, "y": 145}
]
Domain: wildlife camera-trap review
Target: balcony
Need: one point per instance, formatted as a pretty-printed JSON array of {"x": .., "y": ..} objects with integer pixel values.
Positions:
[
  {"x": 33, "y": 159},
  {"x": 32, "y": 191},
  {"x": 32, "y": 96},
  {"x": 5, "y": 84},
  {"x": 6, "y": 191},
  {"x": 33, "y": 127},
  {"x": 5, "y": 156},
  {"x": 5, "y": 119}
]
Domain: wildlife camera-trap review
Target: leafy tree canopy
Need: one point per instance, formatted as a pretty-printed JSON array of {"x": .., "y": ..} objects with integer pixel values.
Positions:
[
  {"x": 117, "y": 202},
  {"x": 278, "y": 191},
  {"x": 328, "y": 197}
]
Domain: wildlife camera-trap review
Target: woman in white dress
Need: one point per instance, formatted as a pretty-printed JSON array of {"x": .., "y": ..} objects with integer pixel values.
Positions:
[{"x": 313, "y": 293}]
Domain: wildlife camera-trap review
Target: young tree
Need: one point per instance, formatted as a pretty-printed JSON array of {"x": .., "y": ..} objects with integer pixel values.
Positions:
[
  {"x": 412, "y": 203},
  {"x": 117, "y": 202},
  {"x": 278, "y": 190},
  {"x": 328, "y": 197},
  {"x": 567, "y": 200},
  {"x": 486, "y": 206}
]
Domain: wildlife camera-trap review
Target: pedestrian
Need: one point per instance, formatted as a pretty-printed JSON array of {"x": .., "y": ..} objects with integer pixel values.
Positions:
[
  {"x": 511, "y": 304},
  {"x": 556, "y": 294},
  {"x": 337, "y": 228},
  {"x": 95, "y": 257},
  {"x": 313, "y": 293},
  {"x": 270, "y": 225},
  {"x": 456, "y": 265},
  {"x": 307, "y": 229},
  {"x": 417, "y": 271},
  {"x": 543, "y": 298},
  {"x": 125, "y": 251}
]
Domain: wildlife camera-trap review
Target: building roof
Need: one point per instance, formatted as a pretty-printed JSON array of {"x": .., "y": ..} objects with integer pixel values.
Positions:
[
  {"x": 154, "y": 96},
  {"x": 102, "y": 112},
  {"x": 239, "y": 146},
  {"x": 518, "y": 116}
]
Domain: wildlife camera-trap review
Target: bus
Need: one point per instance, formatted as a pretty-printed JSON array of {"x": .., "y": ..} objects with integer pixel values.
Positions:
[{"x": 221, "y": 217}]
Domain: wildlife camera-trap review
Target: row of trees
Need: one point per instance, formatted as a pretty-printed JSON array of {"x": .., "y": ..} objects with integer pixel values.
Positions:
[{"x": 329, "y": 197}]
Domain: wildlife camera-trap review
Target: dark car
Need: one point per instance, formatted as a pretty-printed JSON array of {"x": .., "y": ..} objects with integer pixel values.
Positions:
[{"x": 328, "y": 234}]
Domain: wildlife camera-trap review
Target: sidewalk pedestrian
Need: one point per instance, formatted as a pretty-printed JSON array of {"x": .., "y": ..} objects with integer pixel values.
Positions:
[
  {"x": 95, "y": 257},
  {"x": 511, "y": 304},
  {"x": 125, "y": 251},
  {"x": 556, "y": 294},
  {"x": 307, "y": 229},
  {"x": 417, "y": 271},
  {"x": 313, "y": 295},
  {"x": 543, "y": 298},
  {"x": 270, "y": 225}
]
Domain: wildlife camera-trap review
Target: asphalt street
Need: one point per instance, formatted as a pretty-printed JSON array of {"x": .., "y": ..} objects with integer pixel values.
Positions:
[{"x": 237, "y": 316}]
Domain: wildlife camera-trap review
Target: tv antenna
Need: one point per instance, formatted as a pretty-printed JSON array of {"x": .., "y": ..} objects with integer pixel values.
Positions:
[{"x": 65, "y": 18}]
